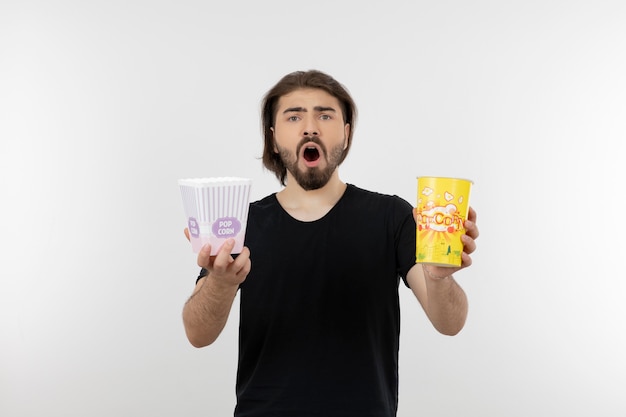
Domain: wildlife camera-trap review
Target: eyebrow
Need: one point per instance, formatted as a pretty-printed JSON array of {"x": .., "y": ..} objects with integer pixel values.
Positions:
[{"x": 302, "y": 109}]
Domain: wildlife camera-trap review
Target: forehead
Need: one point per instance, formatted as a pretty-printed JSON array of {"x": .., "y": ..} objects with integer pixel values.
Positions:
[{"x": 308, "y": 98}]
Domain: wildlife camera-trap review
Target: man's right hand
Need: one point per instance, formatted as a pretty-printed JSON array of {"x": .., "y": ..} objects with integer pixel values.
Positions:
[
  {"x": 223, "y": 269},
  {"x": 206, "y": 311}
]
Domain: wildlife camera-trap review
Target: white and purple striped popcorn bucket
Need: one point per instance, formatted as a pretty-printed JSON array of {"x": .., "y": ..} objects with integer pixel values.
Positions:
[{"x": 216, "y": 209}]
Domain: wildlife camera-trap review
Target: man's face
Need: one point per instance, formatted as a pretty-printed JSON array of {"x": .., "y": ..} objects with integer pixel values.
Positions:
[{"x": 310, "y": 136}]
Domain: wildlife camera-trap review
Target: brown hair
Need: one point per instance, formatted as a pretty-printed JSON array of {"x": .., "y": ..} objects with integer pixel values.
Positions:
[{"x": 289, "y": 83}]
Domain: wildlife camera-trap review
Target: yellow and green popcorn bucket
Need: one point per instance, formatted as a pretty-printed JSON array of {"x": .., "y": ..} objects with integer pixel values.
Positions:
[{"x": 442, "y": 207}]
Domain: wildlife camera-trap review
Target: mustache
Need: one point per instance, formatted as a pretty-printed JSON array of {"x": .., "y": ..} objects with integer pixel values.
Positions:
[{"x": 309, "y": 139}]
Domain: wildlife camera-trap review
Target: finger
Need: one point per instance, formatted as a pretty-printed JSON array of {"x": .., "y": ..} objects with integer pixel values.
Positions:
[
  {"x": 475, "y": 232},
  {"x": 223, "y": 258},
  {"x": 246, "y": 269},
  {"x": 470, "y": 224},
  {"x": 471, "y": 215},
  {"x": 466, "y": 260},
  {"x": 471, "y": 229},
  {"x": 242, "y": 261},
  {"x": 204, "y": 256},
  {"x": 469, "y": 245},
  {"x": 415, "y": 214},
  {"x": 187, "y": 234}
]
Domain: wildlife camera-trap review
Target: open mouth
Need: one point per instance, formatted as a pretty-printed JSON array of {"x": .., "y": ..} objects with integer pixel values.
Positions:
[{"x": 311, "y": 154}]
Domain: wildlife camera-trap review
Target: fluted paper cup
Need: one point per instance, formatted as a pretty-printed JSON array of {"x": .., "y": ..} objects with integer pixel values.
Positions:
[{"x": 216, "y": 209}]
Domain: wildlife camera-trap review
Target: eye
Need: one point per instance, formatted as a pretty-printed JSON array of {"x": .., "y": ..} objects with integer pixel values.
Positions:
[
  {"x": 326, "y": 117},
  {"x": 293, "y": 118}
]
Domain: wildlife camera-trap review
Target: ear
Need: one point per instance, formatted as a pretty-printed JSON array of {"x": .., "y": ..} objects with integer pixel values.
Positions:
[{"x": 346, "y": 132}]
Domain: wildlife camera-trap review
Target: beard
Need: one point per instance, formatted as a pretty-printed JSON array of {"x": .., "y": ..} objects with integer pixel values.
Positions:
[{"x": 312, "y": 178}]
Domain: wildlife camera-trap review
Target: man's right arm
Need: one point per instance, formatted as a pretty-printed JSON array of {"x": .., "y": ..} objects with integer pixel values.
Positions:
[{"x": 205, "y": 313}]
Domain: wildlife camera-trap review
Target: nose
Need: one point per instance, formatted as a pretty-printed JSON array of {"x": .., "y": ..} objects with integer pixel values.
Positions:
[{"x": 310, "y": 128}]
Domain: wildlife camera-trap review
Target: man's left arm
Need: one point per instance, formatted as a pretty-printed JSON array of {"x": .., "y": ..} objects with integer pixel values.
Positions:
[{"x": 441, "y": 297}]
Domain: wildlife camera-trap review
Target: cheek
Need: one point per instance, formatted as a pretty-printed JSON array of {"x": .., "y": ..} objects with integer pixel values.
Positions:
[{"x": 285, "y": 138}]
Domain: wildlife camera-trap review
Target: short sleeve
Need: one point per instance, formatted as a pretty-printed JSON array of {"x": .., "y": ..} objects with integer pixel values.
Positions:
[
  {"x": 405, "y": 239},
  {"x": 203, "y": 273}
]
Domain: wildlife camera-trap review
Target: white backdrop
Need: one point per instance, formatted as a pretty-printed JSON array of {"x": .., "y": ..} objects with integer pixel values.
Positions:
[{"x": 105, "y": 104}]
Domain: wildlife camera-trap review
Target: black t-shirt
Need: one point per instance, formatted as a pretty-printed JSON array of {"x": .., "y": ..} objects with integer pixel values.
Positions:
[{"x": 319, "y": 313}]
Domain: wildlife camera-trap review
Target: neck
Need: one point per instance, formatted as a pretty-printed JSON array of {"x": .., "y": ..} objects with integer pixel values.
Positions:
[{"x": 312, "y": 204}]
